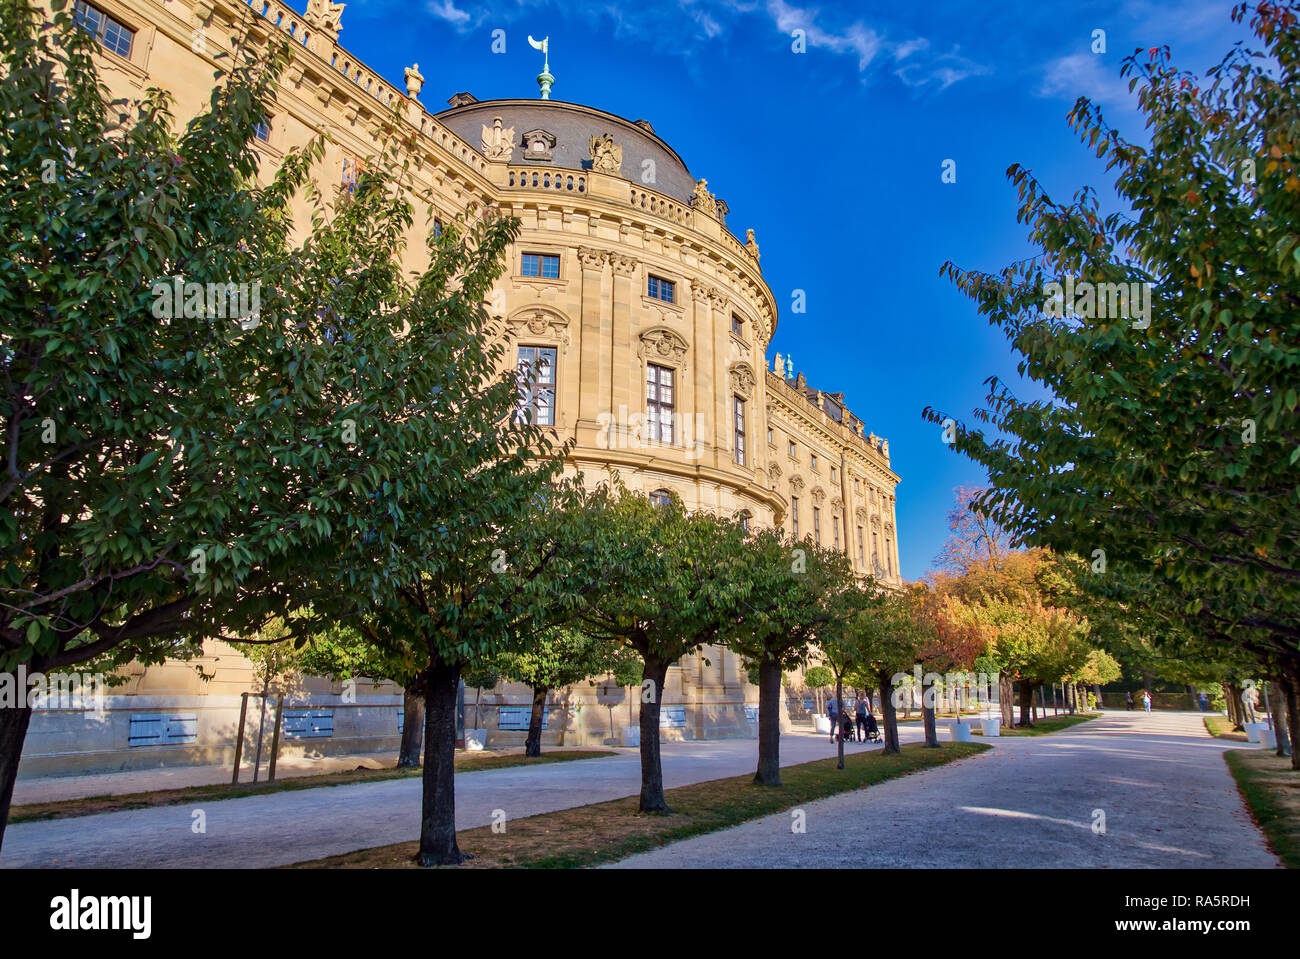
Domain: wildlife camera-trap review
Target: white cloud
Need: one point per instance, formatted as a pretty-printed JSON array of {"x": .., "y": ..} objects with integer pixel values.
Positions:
[
  {"x": 1087, "y": 75},
  {"x": 447, "y": 10}
]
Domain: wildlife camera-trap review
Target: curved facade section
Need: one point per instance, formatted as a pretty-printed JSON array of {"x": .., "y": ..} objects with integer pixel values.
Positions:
[{"x": 648, "y": 319}]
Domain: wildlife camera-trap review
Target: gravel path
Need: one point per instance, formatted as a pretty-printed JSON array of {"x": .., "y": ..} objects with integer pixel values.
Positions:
[
  {"x": 288, "y": 827},
  {"x": 1160, "y": 780}
]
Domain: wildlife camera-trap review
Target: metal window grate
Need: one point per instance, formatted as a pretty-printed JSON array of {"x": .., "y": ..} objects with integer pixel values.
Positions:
[
  {"x": 308, "y": 723},
  {"x": 163, "y": 729},
  {"x": 517, "y": 717},
  {"x": 672, "y": 717}
]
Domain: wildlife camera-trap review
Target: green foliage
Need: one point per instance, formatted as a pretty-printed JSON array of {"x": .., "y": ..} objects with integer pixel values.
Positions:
[
  {"x": 818, "y": 677},
  {"x": 1170, "y": 447}
]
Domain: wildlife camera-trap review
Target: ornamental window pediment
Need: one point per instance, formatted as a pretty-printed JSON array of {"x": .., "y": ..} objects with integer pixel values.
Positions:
[
  {"x": 742, "y": 379},
  {"x": 662, "y": 345}
]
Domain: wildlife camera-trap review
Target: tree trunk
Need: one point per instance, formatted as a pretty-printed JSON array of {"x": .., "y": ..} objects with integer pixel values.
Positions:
[
  {"x": 1026, "y": 697},
  {"x": 888, "y": 714},
  {"x": 1281, "y": 716},
  {"x": 652, "y": 773},
  {"x": 1291, "y": 671},
  {"x": 1006, "y": 698},
  {"x": 408, "y": 756},
  {"x": 769, "y": 723},
  {"x": 14, "y": 721},
  {"x": 927, "y": 713},
  {"x": 1235, "y": 712},
  {"x": 438, "y": 801},
  {"x": 839, "y": 720},
  {"x": 533, "y": 744}
]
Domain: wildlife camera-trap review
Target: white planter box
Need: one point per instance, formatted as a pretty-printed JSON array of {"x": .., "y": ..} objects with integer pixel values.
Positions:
[
  {"x": 475, "y": 739},
  {"x": 960, "y": 732},
  {"x": 991, "y": 727},
  {"x": 632, "y": 737},
  {"x": 1252, "y": 730},
  {"x": 1268, "y": 739},
  {"x": 822, "y": 724}
]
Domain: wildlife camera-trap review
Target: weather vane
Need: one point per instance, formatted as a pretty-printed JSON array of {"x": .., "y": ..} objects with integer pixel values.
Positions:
[{"x": 544, "y": 79}]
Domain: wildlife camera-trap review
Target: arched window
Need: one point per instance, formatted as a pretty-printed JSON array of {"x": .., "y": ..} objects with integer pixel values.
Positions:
[
  {"x": 661, "y": 497},
  {"x": 744, "y": 520}
]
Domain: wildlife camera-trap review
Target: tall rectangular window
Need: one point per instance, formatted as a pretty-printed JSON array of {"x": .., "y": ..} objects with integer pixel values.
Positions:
[
  {"x": 540, "y": 264},
  {"x": 889, "y": 558},
  {"x": 875, "y": 551},
  {"x": 862, "y": 550},
  {"x": 536, "y": 372},
  {"x": 737, "y": 325},
  {"x": 263, "y": 130},
  {"x": 659, "y": 403},
  {"x": 661, "y": 289},
  {"x": 739, "y": 406},
  {"x": 113, "y": 34},
  {"x": 812, "y": 460},
  {"x": 793, "y": 450},
  {"x": 794, "y": 516},
  {"x": 835, "y": 529},
  {"x": 817, "y": 525}
]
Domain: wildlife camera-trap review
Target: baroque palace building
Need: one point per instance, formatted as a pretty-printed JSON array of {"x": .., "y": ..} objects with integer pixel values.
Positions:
[{"x": 643, "y": 321}]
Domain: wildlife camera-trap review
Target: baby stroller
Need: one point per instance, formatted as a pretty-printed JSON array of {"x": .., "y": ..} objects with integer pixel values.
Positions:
[
  {"x": 873, "y": 731},
  {"x": 846, "y": 727}
]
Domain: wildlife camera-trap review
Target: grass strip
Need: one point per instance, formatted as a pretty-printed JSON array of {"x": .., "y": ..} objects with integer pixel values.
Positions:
[
  {"x": 1220, "y": 727},
  {"x": 1271, "y": 789},
  {"x": 467, "y": 762},
  {"x": 608, "y": 831},
  {"x": 1049, "y": 724}
]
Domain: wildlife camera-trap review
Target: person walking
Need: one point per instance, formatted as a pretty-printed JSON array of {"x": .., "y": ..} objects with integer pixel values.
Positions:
[
  {"x": 833, "y": 714},
  {"x": 1128, "y": 699},
  {"x": 1146, "y": 701},
  {"x": 862, "y": 717}
]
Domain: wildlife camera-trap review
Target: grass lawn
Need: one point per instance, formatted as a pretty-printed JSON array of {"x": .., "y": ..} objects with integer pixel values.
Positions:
[
  {"x": 608, "y": 831},
  {"x": 1221, "y": 728},
  {"x": 1271, "y": 789},
  {"x": 466, "y": 762},
  {"x": 1049, "y": 724}
]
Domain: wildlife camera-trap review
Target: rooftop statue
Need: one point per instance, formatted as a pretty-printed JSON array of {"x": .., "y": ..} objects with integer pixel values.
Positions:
[{"x": 606, "y": 155}]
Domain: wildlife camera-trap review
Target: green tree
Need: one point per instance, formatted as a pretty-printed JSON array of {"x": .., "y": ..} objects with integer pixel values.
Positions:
[
  {"x": 787, "y": 594},
  {"x": 558, "y": 656},
  {"x": 165, "y": 456},
  {"x": 671, "y": 584},
  {"x": 1167, "y": 452}
]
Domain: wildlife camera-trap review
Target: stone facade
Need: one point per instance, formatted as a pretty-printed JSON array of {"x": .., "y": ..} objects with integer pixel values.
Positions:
[{"x": 617, "y": 219}]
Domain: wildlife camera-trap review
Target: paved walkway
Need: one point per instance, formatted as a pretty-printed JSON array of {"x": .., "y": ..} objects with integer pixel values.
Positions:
[
  {"x": 60, "y": 788},
  {"x": 287, "y": 827},
  {"x": 1160, "y": 780}
]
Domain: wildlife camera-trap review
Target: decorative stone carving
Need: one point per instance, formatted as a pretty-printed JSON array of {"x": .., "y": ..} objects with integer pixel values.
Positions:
[
  {"x": 742, "y": 379},
  {"x": 663, "y": 345},
  {"x": 539, "y": 145},
  {"x": 203, "y": 12},
  {"x": 538, "y": 321},
  {"x": 592, "y": 259},
  {"x": 751, "y": 245},
  {"x": 818, "y": 495},
  {"x": 875, "y": 522},
  {"x": 498, "y": 141},
  {"x": 461, "y": 99},
  {"x": 800, "y": 381},
  {"x": 606, "y": 155},
  {"x": 796, "y": 483},
  {"x": 860, "y": 515},
  {"x": 623, "y": 264},
  {"x": 414, "y": 81},
  {"x": 837, "y": 503},
  {"x": 703, "y": 200},
  {"x": 774, "y": 471},
  {"x": 324, "y": 17}
]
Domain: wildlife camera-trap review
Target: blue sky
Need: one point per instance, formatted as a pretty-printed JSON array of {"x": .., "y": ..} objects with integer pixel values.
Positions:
[{"x": 834, "y": 157}]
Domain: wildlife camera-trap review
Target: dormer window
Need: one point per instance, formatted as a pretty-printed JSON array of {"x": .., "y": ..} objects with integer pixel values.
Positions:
[{"x": 539, "y": 145}]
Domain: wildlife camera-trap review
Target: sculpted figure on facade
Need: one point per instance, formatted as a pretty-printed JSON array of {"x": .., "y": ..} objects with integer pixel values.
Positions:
[
  {"x": 498, "y": 141},
  {"x": 751, "y": 245},
  {"x": 606, "y": 155},
  {"x": 325, "y": 17},
  {"x": 703, "y": 200}
]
